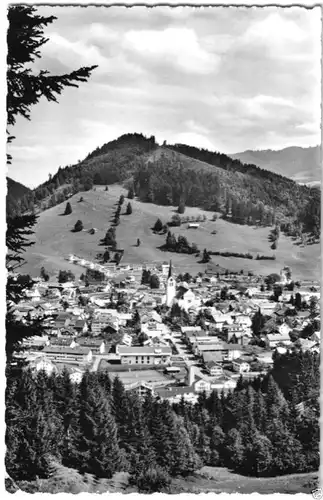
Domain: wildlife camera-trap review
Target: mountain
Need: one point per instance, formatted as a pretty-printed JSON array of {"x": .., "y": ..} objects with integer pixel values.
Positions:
[
  {"x": 303, "y": 165},
  {"x": 180, "y": 174},
  {"x": 170, "y": 174},
  {"x": 249, "y": 201},
  {"x": 16, "y": 190}
]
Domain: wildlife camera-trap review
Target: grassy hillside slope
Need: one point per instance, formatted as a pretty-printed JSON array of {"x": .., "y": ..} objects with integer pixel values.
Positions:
[
  {"x": 221, "y": 480},
  {"x": 207, "y": 480},
  {"x": 54, "y": 239}
]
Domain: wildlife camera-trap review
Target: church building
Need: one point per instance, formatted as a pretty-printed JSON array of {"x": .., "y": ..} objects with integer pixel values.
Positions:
[
  {"x": 182, "y": 296},
  {"x": 170, "y": 287}
]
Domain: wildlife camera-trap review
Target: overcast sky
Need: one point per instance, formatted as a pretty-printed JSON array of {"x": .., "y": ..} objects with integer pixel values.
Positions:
[{"x": 227, "y": 79}]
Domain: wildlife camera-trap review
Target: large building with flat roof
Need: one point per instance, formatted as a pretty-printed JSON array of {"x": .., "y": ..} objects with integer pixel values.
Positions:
[{"x": 144, "y": 355}]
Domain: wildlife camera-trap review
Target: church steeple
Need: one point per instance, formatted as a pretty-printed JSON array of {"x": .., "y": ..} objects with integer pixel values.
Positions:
[
  {"x": 170, "y": 271},
  {"x": 170, "y": 286}
]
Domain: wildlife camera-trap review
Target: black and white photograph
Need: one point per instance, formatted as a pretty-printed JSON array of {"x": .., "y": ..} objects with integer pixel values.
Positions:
[{"x": 163, "y": 257}]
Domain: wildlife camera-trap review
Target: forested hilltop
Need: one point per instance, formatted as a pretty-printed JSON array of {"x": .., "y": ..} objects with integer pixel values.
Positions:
[
  {"x": 267, "y": 427},
  {"x": 180, "y": 174},
  {"x": 15, "y": 191}
]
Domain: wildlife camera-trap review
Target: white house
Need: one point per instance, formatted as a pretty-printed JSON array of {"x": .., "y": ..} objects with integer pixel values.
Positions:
[
  {"x": 197, "y": 383},
  {"x": 175, "y": 394},
  {"x": 36, "y": 341},
  {"x": 190, "y": 329},
  {"x": 201, "y": 385},
  {"x": 186, "y": 299},
  {"x": 33, "y": 294},
  {"x": 243, "y": 320},
  {"x": 284, "y": 329},
  {"x": 278, "y": 338},
  {"x": 75, "y": 373},
  {"x": 214, "y": 369},
  {"x": 223, "y": 383},
  {"x": 153, "y": 329},
  {"x": 42, "y": 363},
  {"x": 316, "y": 337},
  {"x": 126, "y": 339},
  {"x": 240, "y": 366},
  {"x": 97, "y": 346},
  {"x": 265, "y": 358},
  {"x": 234, "y": 329}
]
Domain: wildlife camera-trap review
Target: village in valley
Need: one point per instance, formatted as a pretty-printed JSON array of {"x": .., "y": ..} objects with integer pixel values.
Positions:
[
  {"x": 175, "y": 336},
  {"x": 163, "y": 236}
]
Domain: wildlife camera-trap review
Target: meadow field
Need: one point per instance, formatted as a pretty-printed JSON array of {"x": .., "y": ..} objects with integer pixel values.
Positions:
[{"x": 54, "y": 239}]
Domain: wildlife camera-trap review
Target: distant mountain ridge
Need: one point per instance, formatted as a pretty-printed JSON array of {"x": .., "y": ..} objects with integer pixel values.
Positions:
[{"x": 303, "y": 165}]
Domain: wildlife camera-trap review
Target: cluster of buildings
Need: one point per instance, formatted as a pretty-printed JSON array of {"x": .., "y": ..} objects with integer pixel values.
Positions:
[{"x": 130, "y": 330}]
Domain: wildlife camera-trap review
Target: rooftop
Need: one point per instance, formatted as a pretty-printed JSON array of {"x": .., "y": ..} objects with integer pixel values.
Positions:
[
  {"x": 66, "y": 350},
  {"x": 143, "y": 351}
]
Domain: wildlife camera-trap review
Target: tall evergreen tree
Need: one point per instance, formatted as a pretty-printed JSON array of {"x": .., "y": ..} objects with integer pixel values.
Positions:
[
  {"x": 158, "y": 226},
  {"x": 68, "y": 209},
  {"x": 78, "y": 226},
  {"x": 25, "y": 88},
  {"x": 259, "y": 455},
  {"x": 44, "y": 274},
  {"x": 121, "y": 410},
  {"x": 95, "y": 447},
  {"x": 234, "y": 449},
  {"x": 131, "y": 193}
]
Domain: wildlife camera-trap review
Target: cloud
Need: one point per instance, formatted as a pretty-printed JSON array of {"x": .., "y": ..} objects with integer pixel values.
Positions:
[
  {"x": 274, "y": 29},
  {"x": 68, "y": 52},
  {"x": 180, "y": 47},
  {"x": 194, "y": 139},
  {"x": 228, "y": 79}
]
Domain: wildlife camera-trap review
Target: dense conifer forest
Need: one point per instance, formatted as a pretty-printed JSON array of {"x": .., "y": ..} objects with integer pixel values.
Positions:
[{"x": 266, "y": 427}]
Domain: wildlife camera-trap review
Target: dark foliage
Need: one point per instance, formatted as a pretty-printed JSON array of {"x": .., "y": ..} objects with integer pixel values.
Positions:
[
  {"x": 110, "y": 238},
  {"x": 25, "y": 37},
  {"x": 94, "y": 276},
  {"x": 269, "y": 426},
  {"x": 65, "y": 276},
  {"x": 265, "y": 257},
  {"x": 131, "y": 193},
  {"x": 68, "y": 209},
  {"x": 154, "y": 281},
  {"x": 232, "y": 254},
  {"x": 78, "y": 226},
  {"x": 44, "y": 274},
  {"x": 19, "y": 230},
  {"x": 158, "y": 226},
  {"x": 181, "y": 207},
  {"x": 179, "y": 245}
]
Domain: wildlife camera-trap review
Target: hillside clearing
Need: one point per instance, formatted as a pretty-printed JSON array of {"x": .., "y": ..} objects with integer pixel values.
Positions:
[
  {"x": 55, "y": 241},
  {"x": 221, "y": 480}
]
